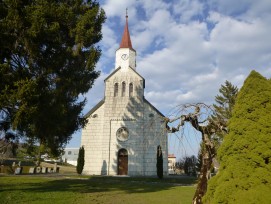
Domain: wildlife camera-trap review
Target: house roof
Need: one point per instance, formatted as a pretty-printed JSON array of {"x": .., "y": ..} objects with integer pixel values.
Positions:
[{"x": 171, "y": 156}]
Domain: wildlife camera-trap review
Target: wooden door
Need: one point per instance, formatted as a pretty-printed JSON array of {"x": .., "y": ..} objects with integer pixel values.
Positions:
[{"x": 123, "y": 162}]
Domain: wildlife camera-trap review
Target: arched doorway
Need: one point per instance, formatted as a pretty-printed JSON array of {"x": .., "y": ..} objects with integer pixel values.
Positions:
[{"x": 122, "y": 162}]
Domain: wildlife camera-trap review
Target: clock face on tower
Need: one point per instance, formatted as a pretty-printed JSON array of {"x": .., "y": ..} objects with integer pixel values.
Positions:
[{"x": 124, "y": 56}]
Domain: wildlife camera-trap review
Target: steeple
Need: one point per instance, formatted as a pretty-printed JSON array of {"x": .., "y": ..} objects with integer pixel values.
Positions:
[
  {"x": 125, "y": 54},
  {"x": 126, "y": 40}
]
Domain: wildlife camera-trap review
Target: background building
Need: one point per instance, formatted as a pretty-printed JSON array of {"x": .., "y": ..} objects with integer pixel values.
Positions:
[
  {"x": 70, "y": 156},
  {"x": 171, "y": 164}
]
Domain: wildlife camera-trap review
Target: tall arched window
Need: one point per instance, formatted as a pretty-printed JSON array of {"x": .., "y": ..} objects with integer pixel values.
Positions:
[
  {"x": 123, "y": 89},
  {"x": 131, "y": 89},
  {"x": 116, "y": 89}
]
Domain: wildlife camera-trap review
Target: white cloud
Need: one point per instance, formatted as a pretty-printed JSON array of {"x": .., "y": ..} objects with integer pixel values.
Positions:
[
  {"x": 187, "y": 9},
  {"x": 187, "y": 49},
  {"x": 152, "y": 6},
  {"x": 241, "y": 46},
  {"x": 188, "y": 56},
  {"x": 109, "y": 42},
  {"x": 245, "y": 9},
  {"x": 117, "y": 7},
  {"x": 96, "y": 94}
]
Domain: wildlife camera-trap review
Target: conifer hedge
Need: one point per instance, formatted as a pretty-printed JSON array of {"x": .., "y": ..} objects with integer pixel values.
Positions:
[
  {"x": 245, "y": 155},
  {"x": 159, "y": 164},
  {"x": 80, "y": 160}
]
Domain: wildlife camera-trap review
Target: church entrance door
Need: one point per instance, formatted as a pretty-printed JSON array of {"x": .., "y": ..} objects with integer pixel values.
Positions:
[{"x": 122, "y": 162}]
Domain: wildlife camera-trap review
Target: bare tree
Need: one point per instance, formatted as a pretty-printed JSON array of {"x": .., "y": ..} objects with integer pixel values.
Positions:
[{"x": 207, "y": 127}]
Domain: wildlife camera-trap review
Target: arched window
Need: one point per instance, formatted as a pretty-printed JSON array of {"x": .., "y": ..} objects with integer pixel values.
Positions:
[
  {"x": 116, "y": 89},
  {"x": 123, "y": 89},
  {"x": 131, "y": 89}
]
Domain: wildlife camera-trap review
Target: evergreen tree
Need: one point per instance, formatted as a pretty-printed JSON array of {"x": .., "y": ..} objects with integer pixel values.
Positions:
[
  {"x": 80, "y": 160},
  {"x": 223, "y": 108},
  {"x": 159, "y": 163},
  {"x": 245, "y": 154},
  {"x": 225, "y": 101},
  {"x": 47, "y": 59}
]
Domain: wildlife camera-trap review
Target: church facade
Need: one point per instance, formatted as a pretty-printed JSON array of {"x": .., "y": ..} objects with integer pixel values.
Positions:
[{"x": 124, "y": 130}]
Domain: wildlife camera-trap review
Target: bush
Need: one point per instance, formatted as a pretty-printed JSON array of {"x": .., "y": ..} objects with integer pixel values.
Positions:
[
  {"x": 159, "y": 164},
  {"x": 245, "y": 155},
  {"x": 80, "y": 160}
]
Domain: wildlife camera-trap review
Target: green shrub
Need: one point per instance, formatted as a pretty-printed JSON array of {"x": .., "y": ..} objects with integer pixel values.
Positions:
[
  {"x": 80, "y": 160},
  {"x": 245, "y": 155},
  {"x": 159, "y": 164}
]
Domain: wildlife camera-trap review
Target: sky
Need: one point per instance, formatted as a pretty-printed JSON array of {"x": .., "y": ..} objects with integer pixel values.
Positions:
[{"x": 186, "y": 49}]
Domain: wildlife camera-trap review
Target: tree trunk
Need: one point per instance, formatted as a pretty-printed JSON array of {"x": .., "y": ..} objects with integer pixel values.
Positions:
[
  {"x": 40, "y": 151},
  {"x": 204, "y": 172},
  {"x": 207, "y": 155}
]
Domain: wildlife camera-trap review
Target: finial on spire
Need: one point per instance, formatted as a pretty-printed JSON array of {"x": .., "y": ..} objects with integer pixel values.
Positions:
[{"x": 126, "y": 13}]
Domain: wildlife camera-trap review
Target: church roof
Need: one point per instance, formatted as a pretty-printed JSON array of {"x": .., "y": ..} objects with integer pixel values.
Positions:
[
  {"x": 153, "y": 107},
  {"x": 94, "y": 108},
  {"x": 126, "y": 40}
]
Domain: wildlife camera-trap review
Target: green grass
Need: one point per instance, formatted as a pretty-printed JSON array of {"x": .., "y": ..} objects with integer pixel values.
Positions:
[{"x": 111, "y": 190}]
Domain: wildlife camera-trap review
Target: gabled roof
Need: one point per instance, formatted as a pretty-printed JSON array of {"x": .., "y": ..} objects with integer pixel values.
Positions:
[
  {"x": 94, "y": 108},
  {"x": 112, "y": 73},
  {"x": 116, "y": 70},
  {"x": 145, "y": 100}
]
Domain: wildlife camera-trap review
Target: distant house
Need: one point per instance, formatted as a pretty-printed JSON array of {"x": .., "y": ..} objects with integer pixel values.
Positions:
[
  {"x": 171, "y": 164},
  {"x": 70, "y": 156}
]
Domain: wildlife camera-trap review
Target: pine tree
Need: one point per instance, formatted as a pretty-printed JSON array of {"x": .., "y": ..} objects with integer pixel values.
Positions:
[
  {"x": 245, "y": 154},
  {"x": 159, "y": 163},
  {"x": 48, "y": 55},
  {"x": 223, "y": 108},
  {"x": 225, "y": 101},
  {"x": 80, "y": 160}
]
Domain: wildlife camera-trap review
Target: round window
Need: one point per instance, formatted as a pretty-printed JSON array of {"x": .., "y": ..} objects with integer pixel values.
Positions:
[{"x": 122, "y": 134}]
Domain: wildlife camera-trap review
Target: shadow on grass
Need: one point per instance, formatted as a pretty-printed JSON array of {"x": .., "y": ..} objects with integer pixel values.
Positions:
[{"x": 90, "y": 185}]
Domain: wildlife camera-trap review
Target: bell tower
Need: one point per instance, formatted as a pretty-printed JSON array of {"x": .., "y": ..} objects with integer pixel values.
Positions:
[{"x": 125, "y": 55}]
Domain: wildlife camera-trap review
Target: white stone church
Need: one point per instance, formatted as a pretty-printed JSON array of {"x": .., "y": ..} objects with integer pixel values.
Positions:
[{"x": 124, "y": 130}]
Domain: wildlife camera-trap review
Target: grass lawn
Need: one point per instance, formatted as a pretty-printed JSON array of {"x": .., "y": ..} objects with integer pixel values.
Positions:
[{"x": 75, "y": 189}]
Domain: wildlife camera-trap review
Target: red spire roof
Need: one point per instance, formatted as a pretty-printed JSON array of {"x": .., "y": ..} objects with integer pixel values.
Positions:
[{"x": 126, "y": 40}]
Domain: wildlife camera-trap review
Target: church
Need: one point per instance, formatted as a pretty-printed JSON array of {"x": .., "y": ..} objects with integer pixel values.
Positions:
[{"x": 124, "y": 131}]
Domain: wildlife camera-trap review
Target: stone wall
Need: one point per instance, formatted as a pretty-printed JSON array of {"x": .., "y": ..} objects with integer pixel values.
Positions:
[{"x": 142, "y": 120}]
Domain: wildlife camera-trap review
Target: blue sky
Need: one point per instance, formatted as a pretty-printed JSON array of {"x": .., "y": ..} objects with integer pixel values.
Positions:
[{"x": 185, "y": 50}]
